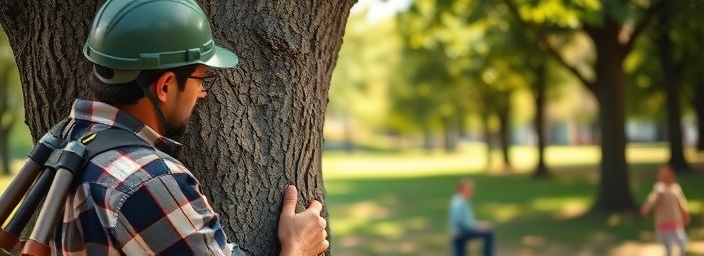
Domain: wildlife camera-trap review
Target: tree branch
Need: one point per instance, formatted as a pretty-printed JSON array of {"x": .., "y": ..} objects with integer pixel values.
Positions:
[
  {"x": 542, "y": 39},
  {"x": 571, "y": 68},
  {"x": 650, "y": 13}
]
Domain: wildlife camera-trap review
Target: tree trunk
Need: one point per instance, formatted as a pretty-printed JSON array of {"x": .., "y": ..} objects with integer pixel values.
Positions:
[
  {"x": 504, "y": 113},
  {"x": 462, "y": 132},
  {"x": 5, "y": 150},
  {"x": 427, "y": 139},
  {"x": 7, "y": 120},
  {"x": 487, "y": 139},
  {"x": 450, "y": 135},
  {"x": 614, "y": 192},
  {"x": 672, "y": 73},
  {"x": 259, "y": 130},
  {"x": 541, "y": 170},
  {"x": 698, "y": 104},
  {"x": 348, "y": 142}
]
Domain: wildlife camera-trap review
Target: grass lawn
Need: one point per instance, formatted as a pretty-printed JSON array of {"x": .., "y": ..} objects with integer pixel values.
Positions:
[
  {"x": 395, "y": 203},
  {"x": 398, "y": 204}
]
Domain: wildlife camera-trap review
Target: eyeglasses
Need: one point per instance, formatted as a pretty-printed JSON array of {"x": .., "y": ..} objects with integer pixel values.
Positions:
[{"x": 205, "y": 81}]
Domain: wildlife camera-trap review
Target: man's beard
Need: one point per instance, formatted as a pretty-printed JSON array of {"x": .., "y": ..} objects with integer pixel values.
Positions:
[
  {"x": 177, "y": 125},
  {"x": 177, "y": 129},
  {"x": 175, "y": 132}
]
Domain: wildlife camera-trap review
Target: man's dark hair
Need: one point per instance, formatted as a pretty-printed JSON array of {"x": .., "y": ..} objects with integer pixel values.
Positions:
[{"x": 129, "y": 93}]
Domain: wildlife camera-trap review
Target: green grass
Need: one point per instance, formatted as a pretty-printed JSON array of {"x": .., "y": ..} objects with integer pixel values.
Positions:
[
  {"x": 399, "y": 205},
  {"x": 375, "y": 216}
]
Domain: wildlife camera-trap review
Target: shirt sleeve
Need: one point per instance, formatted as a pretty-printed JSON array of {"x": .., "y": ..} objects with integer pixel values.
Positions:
[
  {"x": 682, "y": 200},
  {"x": 459, "y": 216},
  {"x": 653, "y": 196},
  {"x": 168, "y": 215}
]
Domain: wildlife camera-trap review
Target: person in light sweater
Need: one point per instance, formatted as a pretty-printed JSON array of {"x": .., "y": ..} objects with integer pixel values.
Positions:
[
  {"x": 669, "y": 205},
  {"x": 463, "y": 226}
]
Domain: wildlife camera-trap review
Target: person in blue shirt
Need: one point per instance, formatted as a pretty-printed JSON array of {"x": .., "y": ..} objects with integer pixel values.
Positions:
[{"x": 463, "y": 226}]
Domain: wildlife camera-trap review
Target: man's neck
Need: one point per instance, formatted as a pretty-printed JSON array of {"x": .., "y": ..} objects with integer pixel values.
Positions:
[{"x": 144, "y": 111}]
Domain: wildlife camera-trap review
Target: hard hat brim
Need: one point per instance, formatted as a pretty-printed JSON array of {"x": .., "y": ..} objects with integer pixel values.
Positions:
[{"x": 222, "y": 58}]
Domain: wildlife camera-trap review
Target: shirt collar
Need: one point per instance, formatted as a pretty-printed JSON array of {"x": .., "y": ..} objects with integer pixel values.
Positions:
[{"x": 101, "y": 113}]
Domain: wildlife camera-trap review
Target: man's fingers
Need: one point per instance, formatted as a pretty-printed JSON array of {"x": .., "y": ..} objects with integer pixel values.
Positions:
[
  {"x": 321, "y": 247},
  {"x": 315, "y": 206},
  {"x": 290, "y": 199},
  {"x": 322, "y": 222}
]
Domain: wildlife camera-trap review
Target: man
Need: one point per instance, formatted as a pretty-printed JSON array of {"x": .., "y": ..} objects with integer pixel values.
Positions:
[
  {"x": 463, "y": 226},
  {"x": 152, "y": 64}
]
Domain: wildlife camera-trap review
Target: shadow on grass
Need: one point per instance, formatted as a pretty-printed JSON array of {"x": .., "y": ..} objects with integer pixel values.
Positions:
[{"x": 408, "y": 216}]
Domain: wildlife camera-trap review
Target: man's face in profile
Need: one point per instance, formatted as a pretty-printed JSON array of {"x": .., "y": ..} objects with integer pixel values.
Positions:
[{"x": 466, "y": 190}]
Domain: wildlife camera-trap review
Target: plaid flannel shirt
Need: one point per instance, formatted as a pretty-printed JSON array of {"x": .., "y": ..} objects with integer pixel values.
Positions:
[{"x": 135, "y": 201}]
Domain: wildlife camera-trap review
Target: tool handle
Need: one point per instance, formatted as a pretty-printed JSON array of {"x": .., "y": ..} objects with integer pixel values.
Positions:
[
  {"x": 7, "y": 241},
  {"x": 30, "y": 203},
  {"x": 53, "y": 204},
  {"x": 17, "y": 188},
  {"x": 29, "y": 172}
]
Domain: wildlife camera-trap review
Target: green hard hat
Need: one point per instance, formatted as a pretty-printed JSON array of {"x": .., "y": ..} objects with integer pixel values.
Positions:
[{"x": 133, "y": 35}]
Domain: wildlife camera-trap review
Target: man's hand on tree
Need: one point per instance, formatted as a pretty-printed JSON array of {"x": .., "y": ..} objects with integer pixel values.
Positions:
[{"x": 301, "y": 234}]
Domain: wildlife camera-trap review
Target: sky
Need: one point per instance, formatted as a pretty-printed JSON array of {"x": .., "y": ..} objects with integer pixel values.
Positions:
[{"x": 381, "y": 9}]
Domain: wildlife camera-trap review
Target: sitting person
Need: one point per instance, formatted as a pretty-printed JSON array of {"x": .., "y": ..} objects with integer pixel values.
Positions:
[{"x": 463, "y": 226}]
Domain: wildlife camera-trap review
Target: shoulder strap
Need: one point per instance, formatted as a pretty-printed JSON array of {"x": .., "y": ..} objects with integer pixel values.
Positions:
[
  {"x": 94, "y": 144},
  {"x": 110, "y": 139}
]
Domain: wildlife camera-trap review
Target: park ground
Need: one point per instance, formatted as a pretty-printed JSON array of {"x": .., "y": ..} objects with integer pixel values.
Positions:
[
  {"x": 391, "y": 203},
  {"x": 395, "y": 203}
]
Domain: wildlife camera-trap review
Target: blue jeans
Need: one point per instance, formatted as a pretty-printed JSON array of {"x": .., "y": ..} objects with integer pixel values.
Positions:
[
  {"x": 678, "y": 237},
  {"x": 459, "y": 242}
]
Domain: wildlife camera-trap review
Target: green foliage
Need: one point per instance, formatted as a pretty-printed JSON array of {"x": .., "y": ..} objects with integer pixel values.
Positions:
[
  {"x": 367, "y": 61},
  {"x": 463, "y": 59},
  {"x": 10, "y": 99},
  {"x": 646, "y": 82}
]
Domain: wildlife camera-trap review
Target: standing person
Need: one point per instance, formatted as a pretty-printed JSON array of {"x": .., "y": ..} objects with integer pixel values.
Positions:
[
  {"x": 152, "y": 62},
  {"x": 463, "y": 225},
  {"x": 669, "y": 205}
]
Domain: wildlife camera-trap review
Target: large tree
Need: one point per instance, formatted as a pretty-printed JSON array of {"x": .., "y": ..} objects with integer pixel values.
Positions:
[
  {"x": 259, "y": 130},
  {"x": 613, "y": 27},
  {"x": 672, "y": 70}
]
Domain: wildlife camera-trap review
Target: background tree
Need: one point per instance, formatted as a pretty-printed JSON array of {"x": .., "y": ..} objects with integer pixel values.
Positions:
[
  {"x": 672, "y": 70},
  {"x": 687, "y": 34},
  {"x": 8, "y": 101},
  {"x": 259, "y": 130},
  {"x": 613, "y": 28},
  {"x": 367, "y": 62}
]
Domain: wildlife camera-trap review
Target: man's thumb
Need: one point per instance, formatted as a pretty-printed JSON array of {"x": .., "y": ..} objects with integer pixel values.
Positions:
[{"x": 290, "y": 200}]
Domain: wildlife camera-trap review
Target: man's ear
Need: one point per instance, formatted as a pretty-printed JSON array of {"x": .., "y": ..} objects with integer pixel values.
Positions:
[{"x": 161, "y": 85}]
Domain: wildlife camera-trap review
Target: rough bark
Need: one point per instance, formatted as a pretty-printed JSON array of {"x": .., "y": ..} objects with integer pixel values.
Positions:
[
  {"x": 541, "y": 169},
  {"x": 614, "y": 193},
  {"x": 672, "y": 73},
  {"x": 46, "y": 38},
  {"x": 260, "y": 129}
]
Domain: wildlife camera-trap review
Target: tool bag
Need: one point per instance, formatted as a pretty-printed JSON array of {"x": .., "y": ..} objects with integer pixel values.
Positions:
[{"x": 56, "y": 161}]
